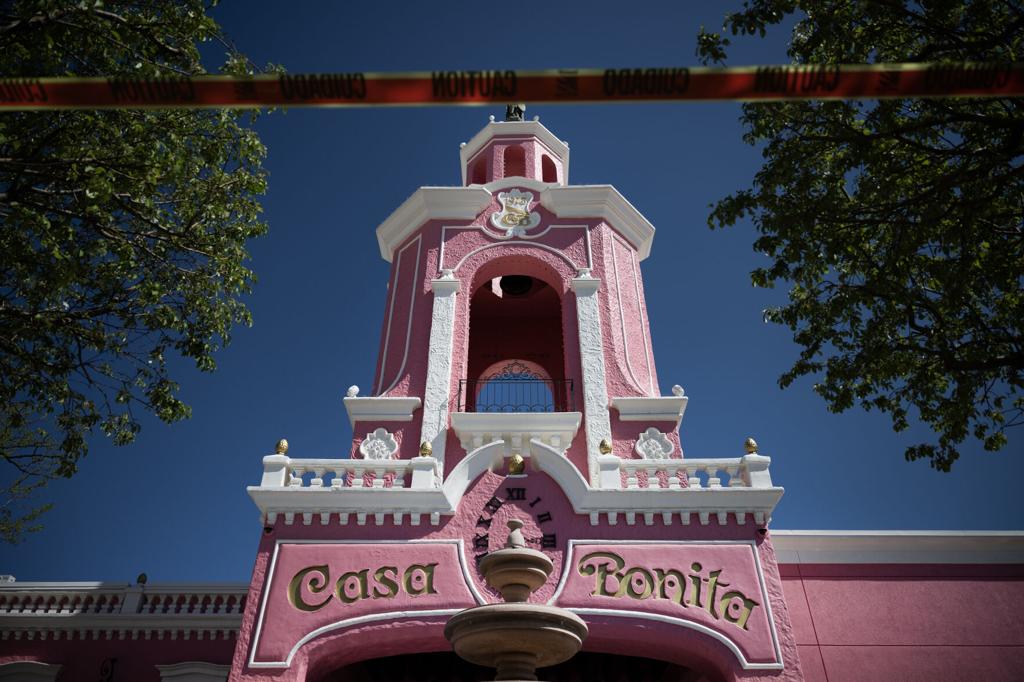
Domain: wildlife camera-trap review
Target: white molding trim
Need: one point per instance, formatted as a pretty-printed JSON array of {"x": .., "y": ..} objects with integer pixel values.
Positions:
[
  {"x": 604, "y": 202},
  {"x": 194, "y": 671},
  {"x": 898, "y": 547},
  {"x": 758, "y": 499},
  {"x": 429, "y": 203},
  {"x": 732, "y": 646},
  {"x": 380, "y": 409},
  {"x": 666, "y": 408},
  {"x": 530, "y": 129},
  {"x": 595, "y": 385},
  {"x": 466, "y": 203},
  {"x": 360, "y": 620},
  {"x": 391, "y": 313},
  {"x": 437, "y": 391},
  {"x": 515, "y": 181},
  {"x": 29, "y": 671},
  {"x": 554, "y": 428},
  {"x": 517, "y": 243},
  {"x": 501, "y": 239},
  {"x": 622, "y": 320}
]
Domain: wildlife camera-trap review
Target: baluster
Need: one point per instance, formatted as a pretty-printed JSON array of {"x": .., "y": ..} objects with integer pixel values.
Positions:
[
  {"x": 735, "y": 479},
  {"x": 295, "y": 478},
  {"x": 631, "y": 480},
  {"x": 355, "y": 477},
  {"x": 378, "y": 477},
  {"x": 713, "y": 480},
  {"x": 338, "y": 479},
  {"x": 318, "y": 478},
  {"x": 653, "y": 480},
  {"x": 692, "y": 480},
  {"x": 674, "y": 480},
  {"x": 399, "y": 481}
]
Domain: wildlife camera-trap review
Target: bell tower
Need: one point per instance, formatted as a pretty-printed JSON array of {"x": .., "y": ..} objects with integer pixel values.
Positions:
[
  {"x": 515, "y": 383},
  {"x": 516, "y": 310}
]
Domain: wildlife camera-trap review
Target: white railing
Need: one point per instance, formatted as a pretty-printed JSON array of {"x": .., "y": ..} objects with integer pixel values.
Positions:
[
  {"x": 63, "y": 599},
  {"x": 281, "y": 471},
  {"x": 750, "y": 471}
]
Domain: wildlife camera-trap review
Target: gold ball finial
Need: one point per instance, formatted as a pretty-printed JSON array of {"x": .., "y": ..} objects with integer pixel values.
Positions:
[
  {"x": 282, "y": 447},
  {"x": 516, "y": 464},
  {"x": 426, "y": 449},
  {"x": 750, "y": 445},
  {"x": 605, "y": 447}
]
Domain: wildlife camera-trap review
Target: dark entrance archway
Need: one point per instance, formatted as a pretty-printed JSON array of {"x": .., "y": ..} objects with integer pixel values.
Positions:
[{"x": 447, "y": 667}]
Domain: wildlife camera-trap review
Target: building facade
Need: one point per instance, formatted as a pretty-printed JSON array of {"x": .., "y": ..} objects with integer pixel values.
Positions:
[{"x": 516, "y": 380}]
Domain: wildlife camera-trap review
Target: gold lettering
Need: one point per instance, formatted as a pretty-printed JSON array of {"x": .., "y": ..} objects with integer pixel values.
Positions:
[
  {"x": 628, "y": 585},
  {"x": 390, "y": 584},
  {"x": 345, "y": 580},
  {"x": 601, "y": 569},
  {"x": 726, "y": 604},
  {"x": 426, "y": 575},
  {"x": 641, "y": 583},
  {"x": 317, "y": 584},
  {"x": 678, "y": 581}
]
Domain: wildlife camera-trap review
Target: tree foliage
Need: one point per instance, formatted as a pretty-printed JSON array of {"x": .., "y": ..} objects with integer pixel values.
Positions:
[
  {"x": 122, "y": 236},
  {"x": 897, "y": 223}
]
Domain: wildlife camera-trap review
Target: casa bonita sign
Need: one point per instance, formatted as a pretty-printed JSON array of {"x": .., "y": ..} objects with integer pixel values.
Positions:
[{"x": 716, "y": 588}]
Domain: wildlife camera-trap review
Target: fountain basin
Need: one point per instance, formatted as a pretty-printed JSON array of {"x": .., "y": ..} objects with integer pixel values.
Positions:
[{"x": 516, "y": 638}]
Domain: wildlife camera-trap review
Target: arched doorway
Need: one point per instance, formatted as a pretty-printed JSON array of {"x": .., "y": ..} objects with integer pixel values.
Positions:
[
  {"x": 516, "y": 359},
  {"x": 447, "y": 667}
]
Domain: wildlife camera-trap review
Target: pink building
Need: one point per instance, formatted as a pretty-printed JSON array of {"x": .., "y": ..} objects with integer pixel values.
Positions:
[{"x": 516, "y": 379}]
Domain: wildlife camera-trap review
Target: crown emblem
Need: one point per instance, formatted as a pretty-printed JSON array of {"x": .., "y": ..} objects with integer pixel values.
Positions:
[{"x": 515, "y": 217}]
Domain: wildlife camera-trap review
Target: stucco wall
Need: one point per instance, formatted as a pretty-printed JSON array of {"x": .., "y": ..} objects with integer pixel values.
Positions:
[{"x": 907, "y": 622}]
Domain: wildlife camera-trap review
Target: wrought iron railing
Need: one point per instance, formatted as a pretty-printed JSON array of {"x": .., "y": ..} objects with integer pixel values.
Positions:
[{"x": 515, "y": 388}]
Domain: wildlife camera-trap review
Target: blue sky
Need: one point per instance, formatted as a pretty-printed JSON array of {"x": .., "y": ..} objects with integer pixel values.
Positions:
[{"x": 174, "y": 504}]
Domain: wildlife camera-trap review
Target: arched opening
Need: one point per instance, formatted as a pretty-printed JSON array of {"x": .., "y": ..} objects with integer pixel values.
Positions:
[
  {"x": 549, "y": 172},
  {"x": 514, "y": 386},
  {"x": 479, "y": 174},
  {"x": 516, "y": 360},
  {"x": 447, "y": 667},
  {"x": 515, "y": 161}
]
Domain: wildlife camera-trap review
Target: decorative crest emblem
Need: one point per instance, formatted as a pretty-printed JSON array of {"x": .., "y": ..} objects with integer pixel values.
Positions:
[
  {"x": 653, "y": 444},
  {"x": 515, "y": 217}
]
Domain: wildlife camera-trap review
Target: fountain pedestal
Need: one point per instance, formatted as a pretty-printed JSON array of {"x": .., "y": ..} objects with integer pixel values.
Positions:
[{"x": 516, "y": 637}]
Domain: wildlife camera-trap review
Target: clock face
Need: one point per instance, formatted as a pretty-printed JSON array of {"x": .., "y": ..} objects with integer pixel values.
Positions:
[{"x": 514, "y": 498}]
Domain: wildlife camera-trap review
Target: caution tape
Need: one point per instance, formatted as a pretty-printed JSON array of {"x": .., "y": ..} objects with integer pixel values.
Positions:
[{"x": 356, "y": 89}]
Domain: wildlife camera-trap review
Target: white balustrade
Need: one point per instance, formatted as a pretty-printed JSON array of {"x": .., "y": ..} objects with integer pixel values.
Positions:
[
  {"x": 750, "y": 471},
  {"x": 27, "y": 599},
  {"x": 335, "y": 474}
]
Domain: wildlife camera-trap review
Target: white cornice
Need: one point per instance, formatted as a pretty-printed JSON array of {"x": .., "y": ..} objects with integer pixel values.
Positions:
[
  {"x": 377, "y": 505},
  {"x": 503, "y": 128},
  {"x": 381, "y": 409},
  {"x": 659, "y": 409},
  {"x": 429, "y": 203},
  {"x": 898, "y": 547},
  {"x": 194, "y": 671},
  {"x": 604, "y": 202},
  {"x": 466, "y": 203}
]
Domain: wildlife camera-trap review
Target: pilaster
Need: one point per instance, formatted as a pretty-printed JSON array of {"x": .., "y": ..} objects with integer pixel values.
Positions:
[
  {"x": 595, "y": 387},
  {"x": 437, "y": 393}
]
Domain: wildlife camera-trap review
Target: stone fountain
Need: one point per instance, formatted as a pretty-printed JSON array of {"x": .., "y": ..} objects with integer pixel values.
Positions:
[{"x": 516, "y": 637}]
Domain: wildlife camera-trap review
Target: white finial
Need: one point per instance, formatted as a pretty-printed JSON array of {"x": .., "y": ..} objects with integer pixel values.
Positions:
[
  {"x": 352, "y": 391},
  {"x": 461, "y": 145},
  {"x": 491, "y": 118},
  {"x": 536, "y": 118},
  {"x": 678, "y": 391}
]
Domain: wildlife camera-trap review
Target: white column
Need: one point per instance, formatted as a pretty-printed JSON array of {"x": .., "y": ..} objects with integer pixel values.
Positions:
[
  {"x": 437, "y": 393},
  {"x": 595, "y": 388}
]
